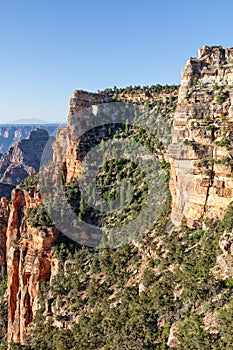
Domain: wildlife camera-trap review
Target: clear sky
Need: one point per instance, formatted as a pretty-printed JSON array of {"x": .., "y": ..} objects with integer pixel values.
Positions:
[{"x": 49, "y": 48}]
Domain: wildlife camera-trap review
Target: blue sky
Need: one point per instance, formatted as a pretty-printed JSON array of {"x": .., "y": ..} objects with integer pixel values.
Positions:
[{"x": 50, "y": 48}]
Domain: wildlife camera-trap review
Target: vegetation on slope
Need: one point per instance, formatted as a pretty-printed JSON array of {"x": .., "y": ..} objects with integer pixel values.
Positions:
[
  {"x": 128, "y": 297},
  {"x": 98, "y": 300}
]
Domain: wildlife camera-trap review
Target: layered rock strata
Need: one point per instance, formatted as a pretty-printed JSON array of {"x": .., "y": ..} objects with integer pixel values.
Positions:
[
  {"x": 65, "y": 146},
  {"x": 201, "y": 153}
]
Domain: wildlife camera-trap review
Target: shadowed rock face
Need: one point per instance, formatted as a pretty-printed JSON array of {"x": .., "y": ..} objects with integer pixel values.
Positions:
[
  {"x": 5, "y": 191},
  {"x": 23, "y": 159},
  {"x": 202, "y": 138},
  {"x": 4, "y": 216}
]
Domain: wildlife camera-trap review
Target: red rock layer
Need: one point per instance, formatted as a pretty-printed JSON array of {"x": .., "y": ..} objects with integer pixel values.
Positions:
[{"x": 29, "y": 264}]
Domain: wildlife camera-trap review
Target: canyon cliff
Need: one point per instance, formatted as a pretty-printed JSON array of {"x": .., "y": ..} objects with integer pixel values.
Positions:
[
  {"x": 170, "y": 275},
  {"x": 29, "y": 264},
  {"x": 202, "y": 138},
  {"x": 29, "y": 249}
]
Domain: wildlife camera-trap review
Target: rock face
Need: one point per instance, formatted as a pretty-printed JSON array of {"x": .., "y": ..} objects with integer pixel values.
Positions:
[
  {"x": 172, "y": 341},
  {"x": 10, "y": 134},
  {"x": 65, "y": 151},
  {"x": 29, "y": 264},
  {"x": 202, "y": 138},
  {"x": 23, "y": 159},
  {"x": 224, "y": 265}
]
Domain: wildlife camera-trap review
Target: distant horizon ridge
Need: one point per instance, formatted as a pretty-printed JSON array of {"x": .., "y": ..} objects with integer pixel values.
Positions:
[{"x": 31, "y": 121}]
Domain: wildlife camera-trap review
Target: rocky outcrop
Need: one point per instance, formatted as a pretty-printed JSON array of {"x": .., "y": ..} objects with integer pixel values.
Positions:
[
  {"x": 23, "y": 159},
  {"x": 29, "y": 264},
  {"x": 172, "y": 341},
  {"x": 65, "y": 146},
  {"x": 223, "y": 269},
  {"x": 202, "y": 138}
]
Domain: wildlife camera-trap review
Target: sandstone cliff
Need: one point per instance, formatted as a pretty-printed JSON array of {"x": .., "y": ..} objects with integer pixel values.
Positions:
[
  {"x": 201, "y": 151},
  {"x": 29, "y": 264},
  {"x": 66, "y": 140}
]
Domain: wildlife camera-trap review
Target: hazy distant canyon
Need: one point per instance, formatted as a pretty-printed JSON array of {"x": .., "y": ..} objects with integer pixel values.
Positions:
[{"x": 11, "y": 133}]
